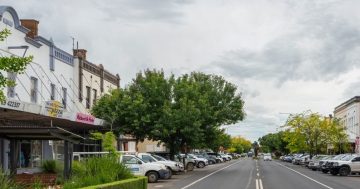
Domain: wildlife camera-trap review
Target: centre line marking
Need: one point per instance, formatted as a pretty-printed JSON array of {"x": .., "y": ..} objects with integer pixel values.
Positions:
[
  {"x": 258, "y": 184},
  {"x": 187, "y": 186},
  {"x": 326, "y": 186}
]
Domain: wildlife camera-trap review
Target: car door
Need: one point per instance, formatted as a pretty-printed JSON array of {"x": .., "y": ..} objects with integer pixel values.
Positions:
[
  {"x": 356, "y": 164},
  {"x": 133, "y": 164}
]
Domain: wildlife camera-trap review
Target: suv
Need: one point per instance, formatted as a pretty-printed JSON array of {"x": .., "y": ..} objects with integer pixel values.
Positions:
[
  {"x": 153, "y": 171},
  {"x": 189, "y": 162},
  {"x": 201, "y": 162},
  {"x": 345, "y": 166},
  {"x": 172, "y": 166},
  {"x": 314, "y": 163},
  {"x": 325, "y": 164}
]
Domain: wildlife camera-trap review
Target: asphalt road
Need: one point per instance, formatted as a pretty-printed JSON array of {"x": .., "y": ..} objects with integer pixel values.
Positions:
[{"x": 251, "y": 174}]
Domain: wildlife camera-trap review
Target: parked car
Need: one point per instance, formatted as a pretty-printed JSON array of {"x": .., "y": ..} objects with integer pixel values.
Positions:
[
  {"x": 267, "y": 157},
  {"x": 211, "y": 160},
  {"x": 200, "y": 162},
  {"x": 172, "y": 166},
  {"x": 325, "y": 166},
  {"x": 347, "y": 165},
  {"x": 219, "y": 158},
  {"x": 189, "y": 162},
  {"x": 314, "y": 163},
  {"x": 288, "y": 158},
  {"x": 137, "y": 166}
]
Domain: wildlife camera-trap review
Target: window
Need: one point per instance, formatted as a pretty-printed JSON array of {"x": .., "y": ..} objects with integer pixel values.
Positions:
[
  {"x": 52, "y": 90},
  {"x": 356, "y": 159},
  {"x": 33, "y": 89},
  {"x": 129, "y": 160},
  {"x": 147, "y": 158},
  {"x": 94, "y": 97},
  {"x": 88, "y": 93},
  {"x": 64, "y": 97},
  {"x": 11, "y": 89}
]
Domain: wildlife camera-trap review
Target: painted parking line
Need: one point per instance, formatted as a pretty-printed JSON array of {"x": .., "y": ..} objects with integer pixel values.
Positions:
[
  {"x": 187, "y": 186},
  {"x": 324, "y": 185}
]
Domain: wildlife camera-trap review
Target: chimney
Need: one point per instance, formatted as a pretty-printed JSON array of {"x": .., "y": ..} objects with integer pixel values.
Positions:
[
  {"x": 80, "y": 53},
  {"x": 32, "y": 25}
]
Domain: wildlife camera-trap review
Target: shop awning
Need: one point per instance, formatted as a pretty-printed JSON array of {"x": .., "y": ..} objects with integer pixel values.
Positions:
[{"x": 39, "y": 133}]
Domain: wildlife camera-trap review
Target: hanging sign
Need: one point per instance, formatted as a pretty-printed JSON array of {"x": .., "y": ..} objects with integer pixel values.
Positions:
[
  {"x": 53, "y": 108},
  {"x": 12, "y": 104}
]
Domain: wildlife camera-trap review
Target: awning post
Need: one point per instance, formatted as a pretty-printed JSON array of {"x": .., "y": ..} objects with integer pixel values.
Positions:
[{"x": 14, "y": 156}]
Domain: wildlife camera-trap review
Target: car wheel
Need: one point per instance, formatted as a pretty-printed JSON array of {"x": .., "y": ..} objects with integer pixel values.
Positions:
[
  {"x": 190, "y": 167},
  {"x": 325, "y": 171},
  {"x": 152, "y": 176},
  {"x": 333, "y": 172},
  {"x": 313, "y": 169},
  {"x": 201, "y": 164},
  {"x": 344, "y": 171},
  {"x": 170, "y": 173}
]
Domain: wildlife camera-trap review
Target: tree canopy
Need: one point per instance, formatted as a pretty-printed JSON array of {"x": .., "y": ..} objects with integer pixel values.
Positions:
[
  {"x": 12, "y": 64},
  {"x": 183, "y": 111},
  {"x": 240, "y": 145},
  {"x": 313, "y": 133}
]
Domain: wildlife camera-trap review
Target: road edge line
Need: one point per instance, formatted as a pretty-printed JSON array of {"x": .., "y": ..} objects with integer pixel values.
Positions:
[
  {"x": 326, "y": 186},
  {"x": 202, "y": 178}
]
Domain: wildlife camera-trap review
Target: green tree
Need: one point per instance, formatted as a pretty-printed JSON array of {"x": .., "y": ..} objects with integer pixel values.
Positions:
[
  {"x": 10, "y": 64},
  {"x": 182, "y": 112},
  {"x": 240, "y": 145},
  {"x": 274, "y": 143},
  {"x": 313, "y": 133}
]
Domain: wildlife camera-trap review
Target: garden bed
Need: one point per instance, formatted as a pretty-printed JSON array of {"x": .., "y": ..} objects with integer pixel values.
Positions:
[{"x": 132, "y": 183}]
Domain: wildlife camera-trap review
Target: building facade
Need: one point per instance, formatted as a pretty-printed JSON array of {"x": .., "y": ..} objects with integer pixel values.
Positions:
[
  {"x": 46, "y": 113},
  {"x": 349, "y": 115}
]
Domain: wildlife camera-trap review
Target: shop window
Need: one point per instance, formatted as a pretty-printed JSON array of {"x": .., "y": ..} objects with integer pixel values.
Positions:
[{"x": 30, "y": 154}]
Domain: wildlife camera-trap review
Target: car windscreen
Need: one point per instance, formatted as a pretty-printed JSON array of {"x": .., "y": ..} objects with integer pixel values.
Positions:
[{"x": 347, "y": 158}]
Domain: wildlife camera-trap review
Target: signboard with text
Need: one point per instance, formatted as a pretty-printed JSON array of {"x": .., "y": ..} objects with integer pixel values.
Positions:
[
  {"x": 12, "y": 104},
  {"x": 85, "y": 118},
  {"x": 53, "y": 108}
]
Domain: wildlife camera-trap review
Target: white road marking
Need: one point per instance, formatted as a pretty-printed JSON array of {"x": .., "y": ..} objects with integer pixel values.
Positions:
[
  {"x": 257, "y": 174},
  {"x": 159, "y": 186},
  {"x": 187, "y": 186},
  {"x": 326, "y": 186},
  {"x": 258, "y": 184}
]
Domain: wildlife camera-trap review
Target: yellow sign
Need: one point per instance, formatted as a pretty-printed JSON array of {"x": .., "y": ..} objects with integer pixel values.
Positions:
[{"x": 54, "y": 108}]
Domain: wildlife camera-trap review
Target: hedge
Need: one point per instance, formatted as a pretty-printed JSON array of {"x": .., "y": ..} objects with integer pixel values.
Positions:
[{"x": 133, "y": 183}]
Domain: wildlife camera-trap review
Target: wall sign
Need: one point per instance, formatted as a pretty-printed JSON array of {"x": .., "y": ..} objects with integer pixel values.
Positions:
[
  {"x": 53, "y": 109},
  {"x": 12, "y": 104},
  {"x": 84, "y": 118}
]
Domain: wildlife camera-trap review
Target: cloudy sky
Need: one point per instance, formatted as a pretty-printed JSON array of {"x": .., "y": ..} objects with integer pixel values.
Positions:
[{"x": 285, "y": 56}]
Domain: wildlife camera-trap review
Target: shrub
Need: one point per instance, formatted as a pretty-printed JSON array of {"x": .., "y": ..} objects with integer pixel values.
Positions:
[
  {"x": 6, "y": 182},
  {"x": 97, "y": 170},
  {"x": 49, "y": 166}
]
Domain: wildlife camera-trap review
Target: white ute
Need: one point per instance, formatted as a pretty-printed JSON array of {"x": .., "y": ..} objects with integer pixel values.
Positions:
[
  {"x": 172, "y": 166},
  {"x": 137, "y": 166}
]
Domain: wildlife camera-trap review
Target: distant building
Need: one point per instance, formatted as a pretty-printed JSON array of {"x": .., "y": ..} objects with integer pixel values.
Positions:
[{"x": 349, "y": 115}]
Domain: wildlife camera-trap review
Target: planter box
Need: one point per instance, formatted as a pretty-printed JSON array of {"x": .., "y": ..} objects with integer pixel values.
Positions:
[{"x": 46, "y": 179}]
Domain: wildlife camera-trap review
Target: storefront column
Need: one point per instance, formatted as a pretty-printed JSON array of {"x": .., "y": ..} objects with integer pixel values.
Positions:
[
  {"x": 14, "y": 155},
  {"x": 2, "y": 154},
  {"x": 68, "y": 151}
]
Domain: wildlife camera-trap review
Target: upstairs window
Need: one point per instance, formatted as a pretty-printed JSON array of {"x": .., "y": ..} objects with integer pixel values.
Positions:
[
  {"x": 88, "y": 96},
  {"x": 11, "y": 89},
  {"x": 52, "y": 91},
  {"x": 64, "y": 97},
  {"x": 94, "y": 96},
  {"x": 33, "y": 89}
]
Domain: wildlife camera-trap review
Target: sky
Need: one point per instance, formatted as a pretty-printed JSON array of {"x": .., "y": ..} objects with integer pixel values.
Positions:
[{"x": 285, "y": 56}]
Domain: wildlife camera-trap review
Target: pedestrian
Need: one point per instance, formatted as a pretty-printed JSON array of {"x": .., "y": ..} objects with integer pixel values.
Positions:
[{"x": 357, "y": 143}]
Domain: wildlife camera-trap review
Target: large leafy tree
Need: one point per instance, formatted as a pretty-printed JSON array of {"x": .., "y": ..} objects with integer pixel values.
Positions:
[
  {"x": 182, "y": 112},
  {"x": 10, "y": 64},
  {"x": 240, "y": 145},
  {"x": 274, "y": 143},
  {"x": 313, "y": 133}
]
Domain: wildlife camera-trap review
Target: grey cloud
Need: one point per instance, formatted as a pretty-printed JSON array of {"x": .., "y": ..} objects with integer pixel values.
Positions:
[
  {"x": 352, "y": 90},
  {"x": 324, "y": 46},
  {"x": 144, "y": 10}
]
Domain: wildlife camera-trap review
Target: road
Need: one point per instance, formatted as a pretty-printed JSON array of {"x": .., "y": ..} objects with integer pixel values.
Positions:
[{"x": 251, "y": 174}]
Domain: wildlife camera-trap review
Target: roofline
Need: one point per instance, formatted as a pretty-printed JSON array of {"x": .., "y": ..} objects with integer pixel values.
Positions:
[{"x": 346, "y": 103}]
